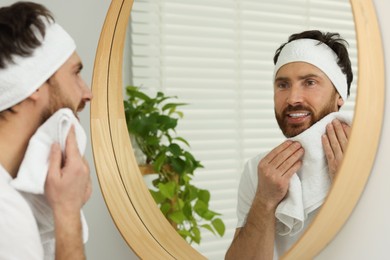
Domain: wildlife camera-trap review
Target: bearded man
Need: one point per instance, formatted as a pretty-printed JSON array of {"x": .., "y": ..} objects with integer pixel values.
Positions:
[
  {"x": 280, "y": 192},
  {"x": 39, "y": 76}
]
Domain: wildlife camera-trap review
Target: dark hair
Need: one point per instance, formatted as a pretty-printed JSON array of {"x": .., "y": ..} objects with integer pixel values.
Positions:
[
  {"x": 18, "y": 25},
  {"x": 334, "y": 41}
]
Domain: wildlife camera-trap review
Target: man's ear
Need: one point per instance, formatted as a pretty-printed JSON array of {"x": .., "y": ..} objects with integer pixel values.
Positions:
[
  {"x": 36, "y": 95},
  {"x": 340, "y": 101}
]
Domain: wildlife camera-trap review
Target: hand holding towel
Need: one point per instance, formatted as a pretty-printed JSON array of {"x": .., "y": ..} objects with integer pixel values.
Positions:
[
  {"x": 34, "y": 168},
  {"x": 309, "y": 187}
]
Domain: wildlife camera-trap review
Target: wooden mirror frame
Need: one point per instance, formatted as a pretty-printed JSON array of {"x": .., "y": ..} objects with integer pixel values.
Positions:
[{"x": 132, "y": 208}]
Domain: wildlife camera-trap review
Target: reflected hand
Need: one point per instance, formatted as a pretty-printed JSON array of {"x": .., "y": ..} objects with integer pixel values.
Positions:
[
  {"x": 275, "y": 171},
  {"x": 335, "y": 142}
]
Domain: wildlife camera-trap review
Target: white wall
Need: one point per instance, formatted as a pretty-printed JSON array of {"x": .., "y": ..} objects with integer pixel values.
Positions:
[{"x": 365, "y": 236}]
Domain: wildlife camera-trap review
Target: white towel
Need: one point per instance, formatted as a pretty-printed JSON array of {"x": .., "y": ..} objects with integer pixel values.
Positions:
[
  {"x": 309, "y": 187},
  {"x": 34, "y": 167}
]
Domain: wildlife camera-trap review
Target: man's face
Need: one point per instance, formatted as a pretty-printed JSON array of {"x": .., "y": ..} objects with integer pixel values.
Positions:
[
  {"x": 303, "y": 95},
  {"x": 67, "y": 89}
]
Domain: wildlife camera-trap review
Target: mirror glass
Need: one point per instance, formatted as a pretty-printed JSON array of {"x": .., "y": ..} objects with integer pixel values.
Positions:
[{"x": 216, "y": 56}]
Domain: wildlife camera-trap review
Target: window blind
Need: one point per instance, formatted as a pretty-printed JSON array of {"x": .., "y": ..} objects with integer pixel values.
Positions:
[{"x": 216, "y": 55}]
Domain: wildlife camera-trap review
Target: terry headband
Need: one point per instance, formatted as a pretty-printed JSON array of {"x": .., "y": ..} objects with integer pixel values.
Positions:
[
  {"x": 20, "y": 79},
  {"x": 318, "y": 54}
]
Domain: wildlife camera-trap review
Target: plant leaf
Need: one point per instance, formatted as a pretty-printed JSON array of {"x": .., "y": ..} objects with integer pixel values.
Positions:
[
  {"x": 157, "y": 196},
  {"x": 175, "y": 149},
  {"x": 165, "y": 208},
  {"x": 195, "y": 235},
  {"x": 165, "y": 122},
  {"x": 193, "y": 192},
  {"x": 219, "y": 226},
  {"x": 178, "y": 165},
  {"x": 208, "y": 215},
  {"x": 178, "y": 217},
  {"x": 132, "y": 92},
  {"x": 187, "y": 210},
  {"x": 167, "y": 189},
  {"x": 208, "y": 227},
  {"x": 159, "y": 162},
  {"x": 180, "y": 114},
  {"x": 184, "y": 233},
  {"x": 204, "y": 195},
  {"x": 172, "y": 106},
  {"x": 200, "y": 208},
  {"x": 181, "y": 139}
]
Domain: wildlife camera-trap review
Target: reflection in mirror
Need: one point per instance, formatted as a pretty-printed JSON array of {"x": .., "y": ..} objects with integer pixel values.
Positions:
[{"x": 217, "y": 57}]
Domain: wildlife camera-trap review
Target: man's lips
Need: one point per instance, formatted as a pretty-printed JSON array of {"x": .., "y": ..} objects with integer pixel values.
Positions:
[{"x": 297, "y": 116}]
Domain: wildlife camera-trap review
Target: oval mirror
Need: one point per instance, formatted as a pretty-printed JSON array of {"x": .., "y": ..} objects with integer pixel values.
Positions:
[{"x": 130, "y": 204}]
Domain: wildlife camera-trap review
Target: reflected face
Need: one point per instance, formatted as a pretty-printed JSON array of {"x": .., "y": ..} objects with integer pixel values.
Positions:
[
  {"x": 67, "y": 89},
  {"x": 303, "y": 95}
]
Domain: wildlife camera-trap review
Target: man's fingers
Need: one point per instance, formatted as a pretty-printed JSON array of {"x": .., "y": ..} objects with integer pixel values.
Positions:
[
  {"x": 284, "y": 151},
  {"x": 327, "y": 148},
  {"x": 290, "y": 163},
  {"x": 271, "y": 155},
  {"x": 294, "y": 169},
  {"x": 341, "y": 134},
  {"x": 347, "y": 130},
  {"x": 334, "y": 142},
  {"x": 55, "y": 159},
  {"x": 71, "y": 144}
]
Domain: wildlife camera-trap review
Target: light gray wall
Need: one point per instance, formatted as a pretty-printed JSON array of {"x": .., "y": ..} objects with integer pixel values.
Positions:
[{"x": 365, "y": 236}]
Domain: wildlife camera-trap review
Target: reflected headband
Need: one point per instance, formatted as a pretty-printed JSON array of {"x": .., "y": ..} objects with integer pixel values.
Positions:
[{"x": 318, "y": 54}]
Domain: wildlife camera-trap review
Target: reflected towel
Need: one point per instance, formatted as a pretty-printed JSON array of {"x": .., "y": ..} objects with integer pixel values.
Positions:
[
  {"x": 33, "y": 170},
  {"x": 309, "y": 187}
]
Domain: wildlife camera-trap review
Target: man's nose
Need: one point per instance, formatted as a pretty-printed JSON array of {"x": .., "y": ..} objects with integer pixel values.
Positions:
[
  {"x": 295, "y": 95},
  {"x": 87, "y": 93}
]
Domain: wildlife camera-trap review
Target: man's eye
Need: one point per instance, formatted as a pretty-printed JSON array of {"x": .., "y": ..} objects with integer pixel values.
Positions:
[
  {"x": 282, "y": 85},
  {"x": 310, "y": 82}
]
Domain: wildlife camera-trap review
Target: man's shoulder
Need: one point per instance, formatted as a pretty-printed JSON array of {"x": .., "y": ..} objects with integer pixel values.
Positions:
[
  {"x": 249, "y": 174},
  {"x": 18, "y": 226},
  {"x": 254, "y": 160},
  {"x": 15, "y": 213},
  {"x": 12, "y": 205}
]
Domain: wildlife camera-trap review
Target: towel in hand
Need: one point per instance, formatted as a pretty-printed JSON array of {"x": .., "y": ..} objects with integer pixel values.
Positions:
[
  {"x": 309, "y": 187},
  {"x": 34, "y": 168}
]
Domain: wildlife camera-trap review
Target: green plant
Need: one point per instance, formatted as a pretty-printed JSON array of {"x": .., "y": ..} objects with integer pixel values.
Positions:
[{"x": 152, "y": 122}]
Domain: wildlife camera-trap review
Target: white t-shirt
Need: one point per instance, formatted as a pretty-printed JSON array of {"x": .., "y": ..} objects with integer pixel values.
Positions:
[
  {"x": 246, "y": 193},
  {"x": 19, "y": 235}
]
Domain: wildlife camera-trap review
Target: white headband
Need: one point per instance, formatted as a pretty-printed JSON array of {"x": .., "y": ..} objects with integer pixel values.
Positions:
[
  {"x": 20, "y": 79},
  {"x": 319, "y": 55}
]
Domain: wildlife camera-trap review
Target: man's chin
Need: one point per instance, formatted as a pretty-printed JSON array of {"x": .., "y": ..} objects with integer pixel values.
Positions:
[{"x": 294, "y": 131}]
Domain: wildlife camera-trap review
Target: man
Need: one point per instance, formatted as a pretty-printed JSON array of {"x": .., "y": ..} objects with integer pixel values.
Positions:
[
  {"x": 39, "y": 74},
  {"x": 312, "y": 78}
]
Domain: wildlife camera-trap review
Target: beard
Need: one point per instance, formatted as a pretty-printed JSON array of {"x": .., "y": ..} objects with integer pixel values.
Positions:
[
  {"x": 57, "y": 100},
  {"x": 291, "y": 130}
]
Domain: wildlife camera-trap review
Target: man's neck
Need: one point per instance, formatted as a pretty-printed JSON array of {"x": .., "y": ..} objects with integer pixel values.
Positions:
[{"x": 15, "y": 133}]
